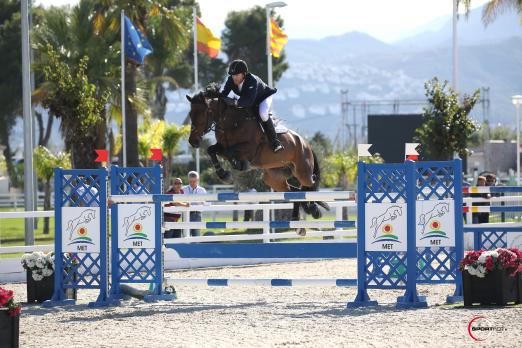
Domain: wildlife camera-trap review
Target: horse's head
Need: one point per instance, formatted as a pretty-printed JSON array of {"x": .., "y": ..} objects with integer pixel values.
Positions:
[{"x": 201, "y": 117}]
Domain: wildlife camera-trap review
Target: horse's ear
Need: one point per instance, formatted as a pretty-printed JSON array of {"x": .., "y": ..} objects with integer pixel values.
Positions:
[{"x": 189, "y": 98}]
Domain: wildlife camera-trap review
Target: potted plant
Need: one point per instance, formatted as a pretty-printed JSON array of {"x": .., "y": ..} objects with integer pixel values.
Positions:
[
  {"x": 9, "y": 319},
  {"x": 492, "y": 277},
  {"x": 40, "y": 276}
]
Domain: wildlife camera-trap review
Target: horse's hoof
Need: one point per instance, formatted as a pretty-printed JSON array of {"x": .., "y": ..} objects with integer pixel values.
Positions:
[
  {"x": 316, "y": 213},
  {"x": 301, "y": 232}
]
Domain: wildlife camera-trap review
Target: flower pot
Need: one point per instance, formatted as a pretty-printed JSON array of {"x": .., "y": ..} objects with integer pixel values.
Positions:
[
  {"x": 496, "y": 288},
  {"x": 40, "y": 291},
  {"x": 9, "y": 330}
]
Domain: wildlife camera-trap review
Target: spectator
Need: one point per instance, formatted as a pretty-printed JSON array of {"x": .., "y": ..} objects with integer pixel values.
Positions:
[
  {"x": 481, "y": 218},
  {"x": 175, "y": 189},
  {"x": 193, "y": 188}
]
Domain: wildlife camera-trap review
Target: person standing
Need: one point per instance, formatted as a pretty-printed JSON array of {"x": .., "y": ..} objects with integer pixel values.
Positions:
[
  {"x": 193, "y": 188},
  {"x": 175, "y": 189}
]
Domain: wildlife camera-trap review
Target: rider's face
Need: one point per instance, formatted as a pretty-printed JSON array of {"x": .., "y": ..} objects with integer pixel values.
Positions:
[{"x": 238, "y": 78}]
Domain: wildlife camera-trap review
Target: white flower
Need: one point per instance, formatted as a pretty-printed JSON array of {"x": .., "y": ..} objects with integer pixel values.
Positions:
[
  {"x": 37, "y": 277},
  {"x": 46, "y": 272}
]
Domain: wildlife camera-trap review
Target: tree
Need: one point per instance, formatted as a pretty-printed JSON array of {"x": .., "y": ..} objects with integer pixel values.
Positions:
[
  {"x": 322, "y": 145},
  {"x": 447, "y": 125},
  {"x": 71, "y": 35},
  {"x": 45, "y": 162},
  {"x": 74, "y": 100},
  {"x": 10, "y": 81},
  {"x": 144, "y": 14},
  {"x": 244, "y": 38},
  {"x": 495, "y": 8},
  {"x": 171, "y": 138},
  {"x": 340, "y": 168}
]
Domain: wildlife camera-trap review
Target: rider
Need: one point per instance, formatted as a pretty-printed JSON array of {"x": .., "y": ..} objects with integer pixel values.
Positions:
[{"x": 252, "y": 92}]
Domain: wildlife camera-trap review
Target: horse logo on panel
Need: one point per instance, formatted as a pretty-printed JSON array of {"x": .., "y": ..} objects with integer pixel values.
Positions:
[
  {"x": 431, "y": 220},
  {"x": 379, "y": 223},
  {"x": 133, "y": 226},
  {"x": 78, "y": 226}
]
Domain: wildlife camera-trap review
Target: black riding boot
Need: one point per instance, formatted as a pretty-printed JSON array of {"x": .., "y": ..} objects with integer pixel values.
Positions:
[{"x": 271, "y": 134}]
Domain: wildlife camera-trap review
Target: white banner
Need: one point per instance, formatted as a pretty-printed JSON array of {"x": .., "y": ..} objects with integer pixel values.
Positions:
[
  {"x": 385, "y": 227},
  {"x": 81, "y": 229},
  {"x": 435, "y": 223},
  {"x": 136, "y": 226}
]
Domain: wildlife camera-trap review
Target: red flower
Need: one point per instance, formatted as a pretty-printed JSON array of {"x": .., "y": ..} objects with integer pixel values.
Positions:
[{"x": 490, "y": 263}]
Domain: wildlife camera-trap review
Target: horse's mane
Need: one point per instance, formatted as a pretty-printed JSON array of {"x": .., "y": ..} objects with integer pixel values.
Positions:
[{"x": 212, "y": 90}]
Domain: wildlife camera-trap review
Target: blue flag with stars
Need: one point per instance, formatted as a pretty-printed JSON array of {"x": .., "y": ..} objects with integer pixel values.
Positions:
[{"x": 136, "y": 44}]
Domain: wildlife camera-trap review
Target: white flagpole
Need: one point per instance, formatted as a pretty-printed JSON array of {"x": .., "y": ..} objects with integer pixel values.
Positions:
[
  {"x": 268, "y": 49},
  {"x": 123, "y": 117},
  {"x": 194, "y": 17},
  {"x": 455, "y": 82}
]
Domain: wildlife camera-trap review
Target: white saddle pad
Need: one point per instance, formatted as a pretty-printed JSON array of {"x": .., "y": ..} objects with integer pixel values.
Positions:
[{"x": 280, "y": 129}]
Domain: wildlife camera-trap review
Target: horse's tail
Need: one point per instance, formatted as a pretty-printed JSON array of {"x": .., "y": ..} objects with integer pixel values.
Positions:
[
  {"x": 317, "y": 180},
  {"x": 316, "y": 173}
]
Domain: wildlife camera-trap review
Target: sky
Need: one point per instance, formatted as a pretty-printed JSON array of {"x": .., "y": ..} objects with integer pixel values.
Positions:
[{"x": 386, "y": 20}]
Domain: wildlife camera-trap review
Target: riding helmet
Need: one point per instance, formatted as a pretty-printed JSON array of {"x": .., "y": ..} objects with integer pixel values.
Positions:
[{"x": 237, "y": 66}]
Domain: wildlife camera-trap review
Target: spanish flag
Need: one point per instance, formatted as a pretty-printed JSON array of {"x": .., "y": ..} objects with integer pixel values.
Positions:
[
  {"x": 207, "y": 42},
  {"x": 278, "y": 38}
]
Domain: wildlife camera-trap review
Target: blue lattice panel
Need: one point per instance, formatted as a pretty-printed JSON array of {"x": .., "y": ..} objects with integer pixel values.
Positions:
[
  {"x": 386, "y": 270},
  {"x": 440, "y": 181},
  {"x": 137, "y": 265},
  {"x": 126, "y": 181},
  {"x": 81, "y": 244}
]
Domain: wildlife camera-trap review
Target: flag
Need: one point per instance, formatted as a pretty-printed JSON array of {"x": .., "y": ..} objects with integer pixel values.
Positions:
[
  {"x": 136, "y": 44},
  {"x": 207, "y": 42},
  {"x": 103, "y": 155},
  {"x": 278, "y": 38}
]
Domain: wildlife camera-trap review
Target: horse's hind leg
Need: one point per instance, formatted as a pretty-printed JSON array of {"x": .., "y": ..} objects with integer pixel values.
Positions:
[{"x": 303, "y": 171}]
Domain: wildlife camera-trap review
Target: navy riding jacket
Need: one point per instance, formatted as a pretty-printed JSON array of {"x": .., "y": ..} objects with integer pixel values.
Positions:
[{"x": 253, "y": 92}]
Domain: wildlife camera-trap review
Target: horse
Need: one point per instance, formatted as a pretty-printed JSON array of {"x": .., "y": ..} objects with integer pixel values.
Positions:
[{"x": 241, "y": 141}]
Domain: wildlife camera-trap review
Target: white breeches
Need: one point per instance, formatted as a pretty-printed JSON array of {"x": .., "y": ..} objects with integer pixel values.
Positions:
[{"x": 264, "y": 109}]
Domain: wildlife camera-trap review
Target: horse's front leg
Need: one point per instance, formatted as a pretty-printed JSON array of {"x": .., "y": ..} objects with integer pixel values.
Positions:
[
  {"x": 236, "y": 154},
  {"x": 213, "y": 151}
]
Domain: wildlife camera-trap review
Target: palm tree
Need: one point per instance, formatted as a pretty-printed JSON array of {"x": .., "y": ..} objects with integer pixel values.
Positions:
[
  {"x": 171, "y": 138},
  {"x": 71, "y": 36},
  {"x": 142, "y": 13},
  {"x": 495, "y": 8},
  {"x": 45, "y": 162}
]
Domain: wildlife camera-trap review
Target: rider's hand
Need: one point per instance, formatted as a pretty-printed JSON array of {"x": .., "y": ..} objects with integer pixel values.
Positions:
[{"x": 230, "y": 101}]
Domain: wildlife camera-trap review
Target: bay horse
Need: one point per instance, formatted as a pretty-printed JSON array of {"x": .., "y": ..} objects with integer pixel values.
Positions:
[{"x": 241, "y": 141}]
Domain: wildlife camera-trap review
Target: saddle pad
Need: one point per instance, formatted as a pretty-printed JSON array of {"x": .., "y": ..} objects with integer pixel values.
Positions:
[{"x": 280, "y": 129}]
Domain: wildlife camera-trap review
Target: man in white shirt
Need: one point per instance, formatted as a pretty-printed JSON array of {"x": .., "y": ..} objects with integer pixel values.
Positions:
[{"x": 193, "y": 188}]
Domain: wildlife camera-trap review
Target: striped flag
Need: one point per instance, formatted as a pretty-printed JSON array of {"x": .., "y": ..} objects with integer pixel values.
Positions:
[
  {"x": 278, "y": 38},
  {"x": 207, "y": 42}
]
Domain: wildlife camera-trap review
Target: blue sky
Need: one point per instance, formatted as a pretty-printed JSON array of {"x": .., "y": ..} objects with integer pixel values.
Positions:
[{"x": 386, "y": 20}]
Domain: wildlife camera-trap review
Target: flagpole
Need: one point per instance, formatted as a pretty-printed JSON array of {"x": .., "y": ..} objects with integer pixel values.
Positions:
[
  {"x": 194, "y": 19},
  {"x": 455, "y": 51},
  {"x": 268, "y": 50},
  {"x": 27, "y": 121},
  {"x": 123, "y": 116}
]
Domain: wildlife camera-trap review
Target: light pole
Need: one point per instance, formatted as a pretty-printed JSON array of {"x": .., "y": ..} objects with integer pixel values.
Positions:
[
  {"x": 268, "y": 50},
  {"x": 517, "y": 100}
]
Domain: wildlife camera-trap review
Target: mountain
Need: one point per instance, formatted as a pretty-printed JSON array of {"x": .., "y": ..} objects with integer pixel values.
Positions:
[
  {"x": 347, "y": 45},
  {"x": 470, "y": 30}
]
